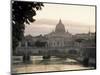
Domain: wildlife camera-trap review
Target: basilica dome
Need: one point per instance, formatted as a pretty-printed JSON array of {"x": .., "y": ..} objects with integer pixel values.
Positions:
[{"x": 60, "y": 27}]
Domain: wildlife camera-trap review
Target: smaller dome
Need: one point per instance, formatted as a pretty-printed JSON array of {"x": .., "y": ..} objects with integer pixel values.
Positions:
[{"x": 60, "y": 27}]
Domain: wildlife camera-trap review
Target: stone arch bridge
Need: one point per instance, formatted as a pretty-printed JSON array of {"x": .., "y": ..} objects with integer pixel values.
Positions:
[{"x": 63, "y": 52}]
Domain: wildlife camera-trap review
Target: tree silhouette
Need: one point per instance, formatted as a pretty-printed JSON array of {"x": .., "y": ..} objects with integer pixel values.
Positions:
[
  {"x": 40, "y": 44},
  {"x": 79, "y": 40},
  {"x": 22, "y": 12}
]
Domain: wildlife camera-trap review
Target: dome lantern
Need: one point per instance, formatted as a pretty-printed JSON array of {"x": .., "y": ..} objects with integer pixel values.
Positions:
[{"x": 60, "y": 27}]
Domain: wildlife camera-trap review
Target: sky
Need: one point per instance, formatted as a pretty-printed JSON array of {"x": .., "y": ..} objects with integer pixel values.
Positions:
[{"x": 76, "y": 19}]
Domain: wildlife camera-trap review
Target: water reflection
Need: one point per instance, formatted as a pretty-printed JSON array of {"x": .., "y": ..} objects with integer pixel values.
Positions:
[
  {"x": 54, "y": 64},
  {"x": 54, "y": 61}
]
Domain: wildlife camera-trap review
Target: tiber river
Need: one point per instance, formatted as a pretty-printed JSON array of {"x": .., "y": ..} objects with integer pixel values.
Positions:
[{"x": 54, "y": 64}]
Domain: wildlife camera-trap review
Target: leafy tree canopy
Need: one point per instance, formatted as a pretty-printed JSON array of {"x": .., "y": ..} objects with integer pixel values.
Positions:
[{"x": 22, "y": 12}]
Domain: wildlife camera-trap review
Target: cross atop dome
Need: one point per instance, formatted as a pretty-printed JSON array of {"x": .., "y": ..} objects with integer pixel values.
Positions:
[{"x": 60, "y": 22}]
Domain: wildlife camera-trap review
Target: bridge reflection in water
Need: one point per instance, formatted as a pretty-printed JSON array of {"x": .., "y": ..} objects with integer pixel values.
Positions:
[{"x": 53, "y": 64}]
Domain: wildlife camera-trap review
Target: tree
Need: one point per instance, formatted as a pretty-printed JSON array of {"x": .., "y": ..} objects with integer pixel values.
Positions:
[
  {"x": 79, "y": 40},
  {"x": 40, "y": 44},
  {"x": 22, "y": 12}
]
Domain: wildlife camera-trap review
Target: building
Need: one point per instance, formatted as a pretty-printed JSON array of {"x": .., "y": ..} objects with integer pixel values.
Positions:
[
  {"x": 59, "y": 37},
  {"x": 59, "y": 40}
]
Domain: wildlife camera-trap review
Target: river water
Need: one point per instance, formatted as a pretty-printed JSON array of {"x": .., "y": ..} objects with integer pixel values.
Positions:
[{"x": 54, "y": 64}]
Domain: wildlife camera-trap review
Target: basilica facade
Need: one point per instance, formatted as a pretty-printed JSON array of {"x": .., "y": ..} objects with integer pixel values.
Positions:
[{"x": 59, "y": 37}]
